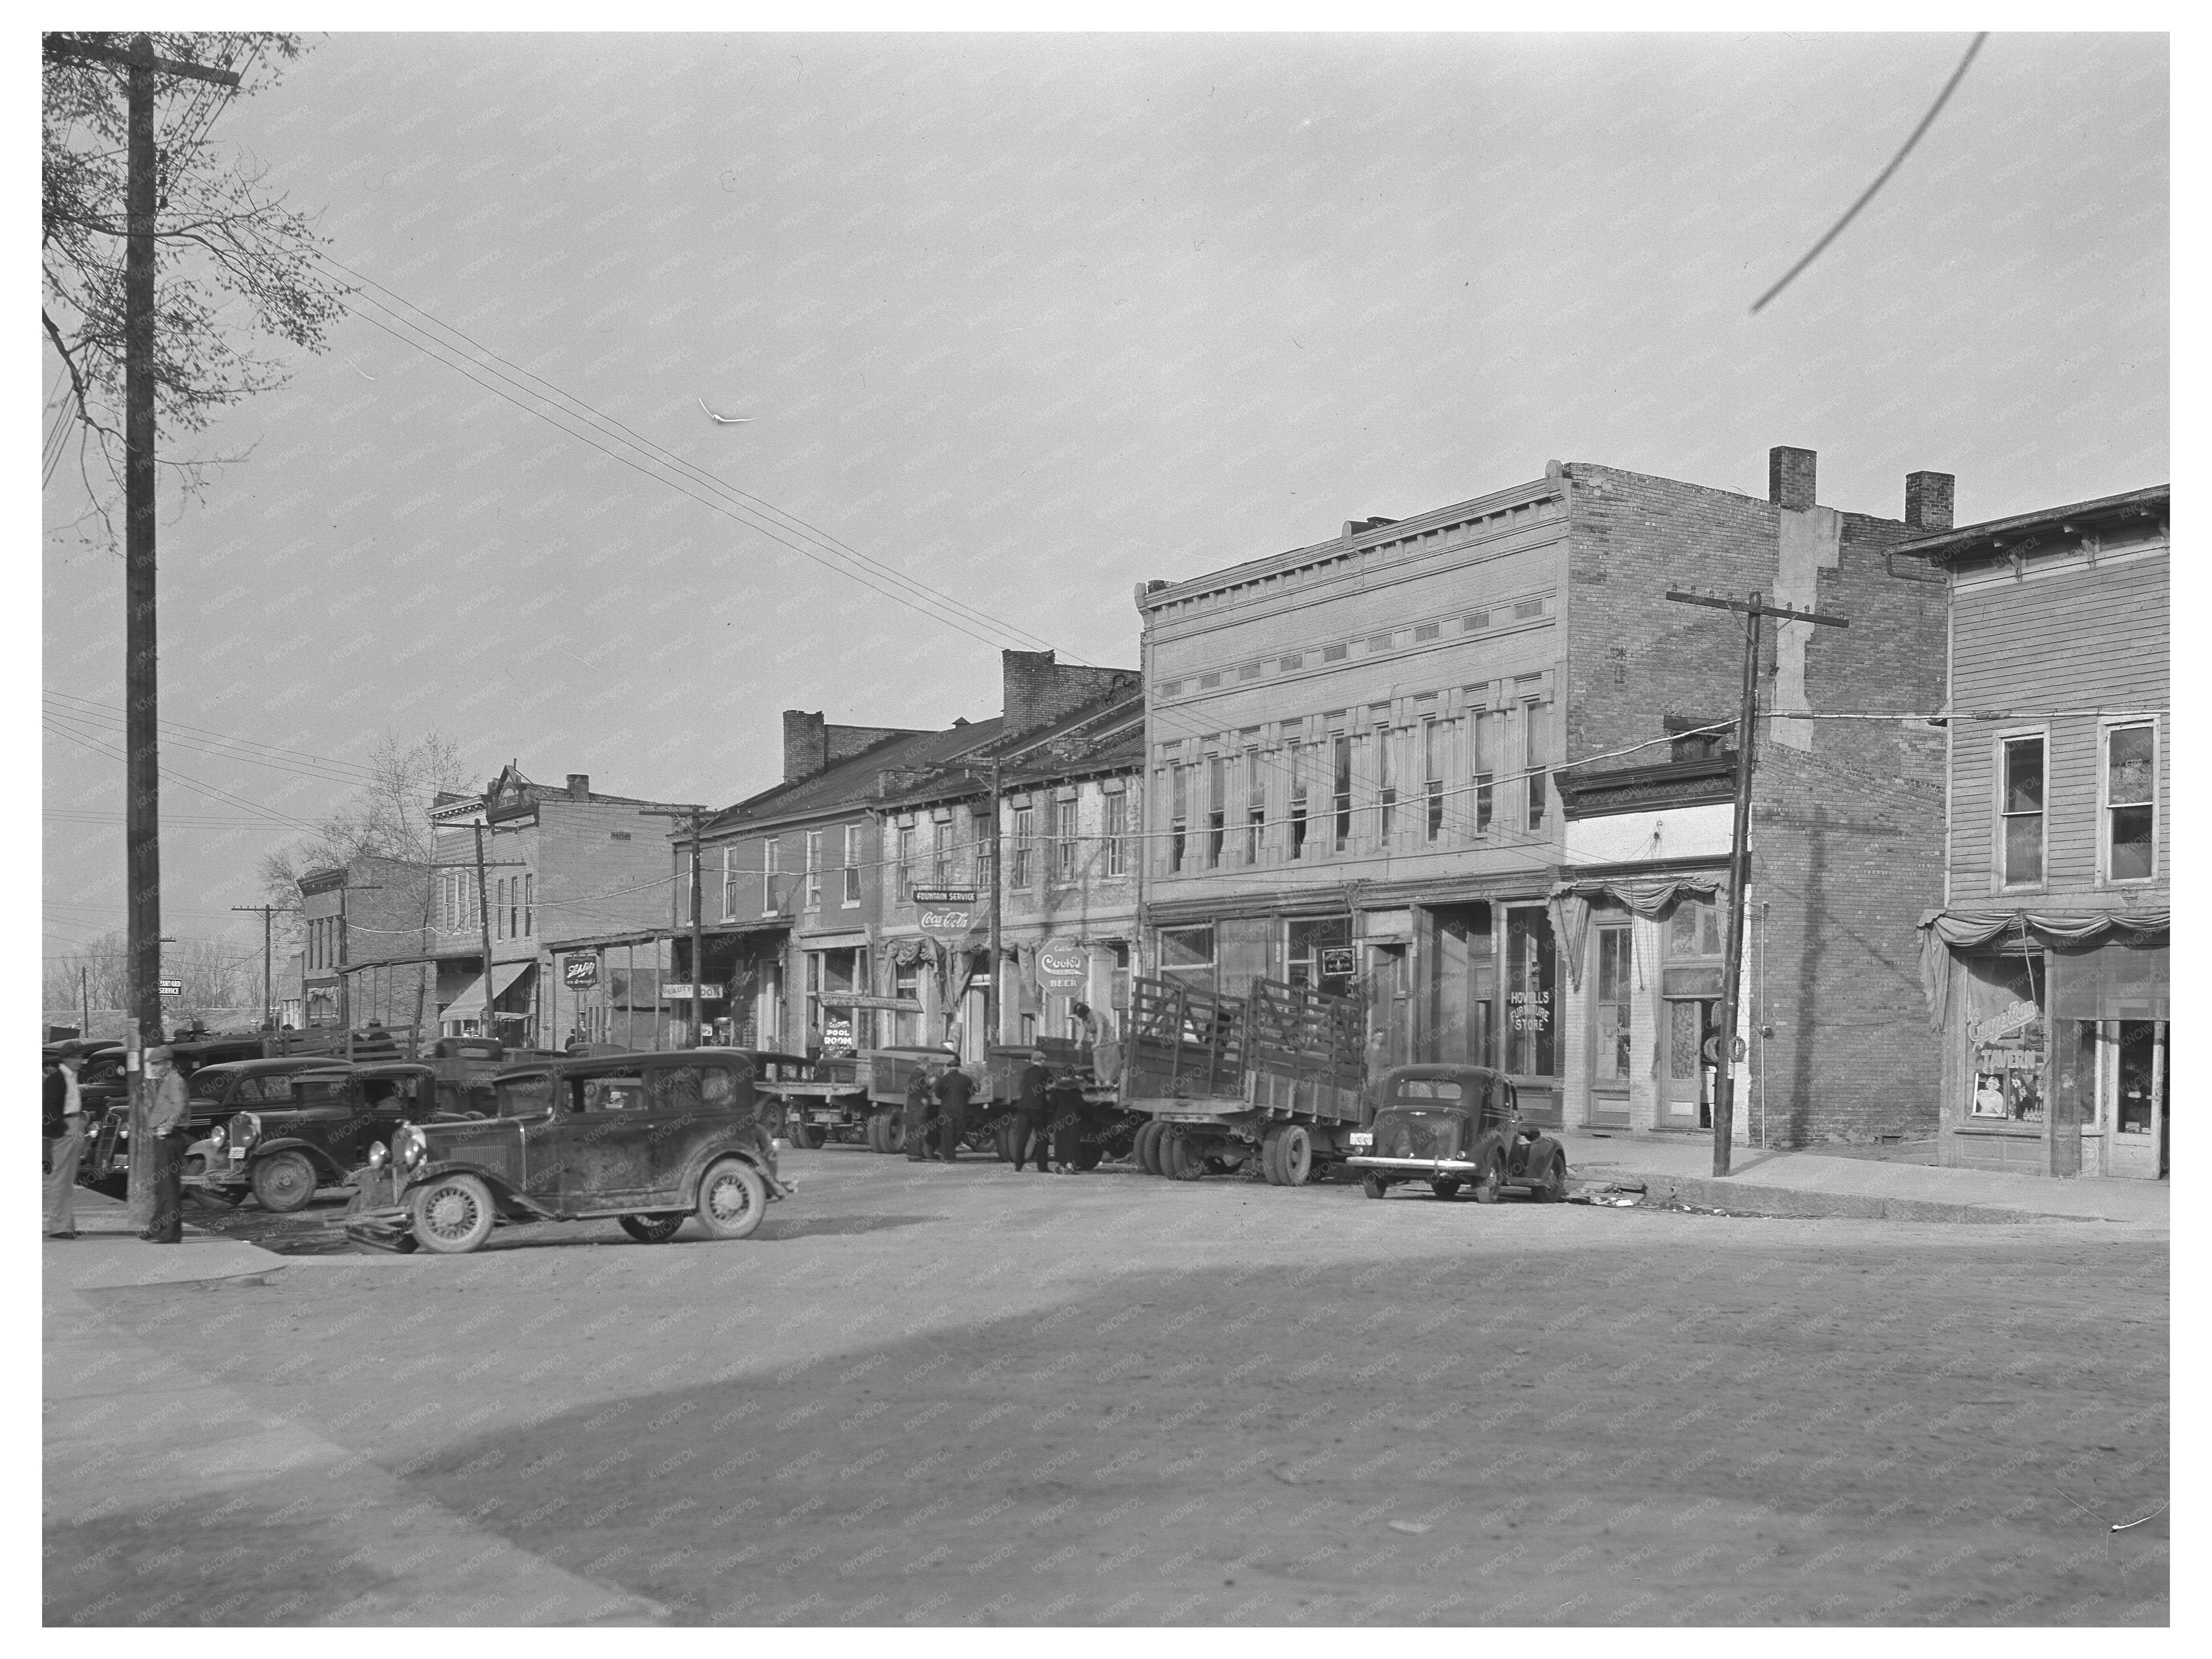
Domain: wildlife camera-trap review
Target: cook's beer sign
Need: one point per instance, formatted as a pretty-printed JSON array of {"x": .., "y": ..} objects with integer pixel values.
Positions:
[
  {"x": 1063, "y": 968},
  {"x": 946, "y": 912}
]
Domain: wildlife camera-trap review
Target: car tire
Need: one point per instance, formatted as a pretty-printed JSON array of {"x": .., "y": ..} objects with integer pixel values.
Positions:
[
  {"x": 1373, "y": 1185},
  {"x": 895, "y": 1132},
  {"x": 1293, "y": 1144},
  {"x": 1552, "y": 1188},
  {"x": 652, "y": 1229},
  {"x": 1142, "y": 1151},
  {"x": 1271, "y": 1156},
  {"x": 285, "y": 1181},
  {"x": 1180, "y": 1158},
  {"x": 1002, "y": 1140},
  {"x": 809, "y": 1135},
  {"x": 1444, "y": 1187},
  {"x": 1090, "y": 1151},
  {"x": 451, "y": 1214},
  {"x": 733, "y": 1199},
  {"x": 1489, "y": 1182}
]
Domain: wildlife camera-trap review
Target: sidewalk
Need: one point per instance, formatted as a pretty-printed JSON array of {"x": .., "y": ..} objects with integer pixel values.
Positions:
[
  {"x": 142, "y": 1450},
  {"x": 1806, "y": 1183}
]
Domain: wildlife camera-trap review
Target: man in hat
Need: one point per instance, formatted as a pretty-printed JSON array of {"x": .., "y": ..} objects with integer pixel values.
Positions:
[
  {"x": 1030, "y": 1113},
  {"x": 954, "y": 1087},
  {"x": 921, "y": 1106},
  {"x": 64, "y": 1129},
  {"x": 165, "y": 1130}
]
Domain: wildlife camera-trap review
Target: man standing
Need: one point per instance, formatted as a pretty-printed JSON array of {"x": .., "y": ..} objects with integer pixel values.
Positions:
[
  {"x": 920, "y": 1097},
  {"x": 1030, "y": 1113},
  {"x": 1065, "y": 1100},
  {"x": 63, "y": 1111},
  {"x": 165, "y": 1129},
  {"x": 954, "y": 1086}
]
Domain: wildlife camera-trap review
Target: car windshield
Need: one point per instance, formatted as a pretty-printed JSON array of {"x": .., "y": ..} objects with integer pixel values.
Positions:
[
  {"x": 525, "y": 1097},
  {"x": 403, "y": 1090},
  {"x": 207, "y": 1083},
  {"x": 1426, "y": 1090}
]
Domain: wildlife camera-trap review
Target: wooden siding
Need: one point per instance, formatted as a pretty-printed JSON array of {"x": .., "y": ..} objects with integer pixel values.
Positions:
[{"x": 2077, "y": 639}]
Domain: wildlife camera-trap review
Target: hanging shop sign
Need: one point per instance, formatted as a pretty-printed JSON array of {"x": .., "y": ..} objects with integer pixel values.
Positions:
[
  {"x": 580, "y": 972},
  {"x": 945, "y": 895},
  {"x": 1338, "y": 962},
  {"x": 947, "y": 920},
  {"x": 677, "y": 993},
  {"x": 1063, "y": 968},
  {"x": 870, "y": 1000}
]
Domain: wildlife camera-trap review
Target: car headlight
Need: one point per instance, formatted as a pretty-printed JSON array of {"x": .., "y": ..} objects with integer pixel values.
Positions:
[
  {"x": 377, "y": 1156},
  {"x": 217, "y": 1137},
  {"x": 244, "y": 1130},
  {"x": 407, "y": 1147}
]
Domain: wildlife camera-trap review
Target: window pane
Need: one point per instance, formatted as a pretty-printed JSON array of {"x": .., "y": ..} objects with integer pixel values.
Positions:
[
  {"x": 2128, "y": 779},
  {"x": 2024, "y": 848},
  {"x": 2131, "y": 843},
  {"x": 2024, "y": 775}
]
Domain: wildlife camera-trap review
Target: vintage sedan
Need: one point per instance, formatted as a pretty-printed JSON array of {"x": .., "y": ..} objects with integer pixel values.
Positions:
[
  {"x": 213, "y": 1095},
  {"x": 284, "y": 1152},
  {"x": 1455, "y": 1127},
  {"x": 647, "y": 1139}
]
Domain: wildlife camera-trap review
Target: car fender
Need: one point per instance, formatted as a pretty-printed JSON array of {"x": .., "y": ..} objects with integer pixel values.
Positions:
[
  {"x": 324, "y": 1164},
  {"x": 502, "y": 1193},
  {"x": 706, "y": 1159},
  {"x": 1538, "y": 1150}
]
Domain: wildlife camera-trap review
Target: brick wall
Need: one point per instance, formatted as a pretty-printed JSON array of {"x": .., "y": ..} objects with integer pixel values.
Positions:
[
  {"x": 1038, "y": 691},
  {"x": 1847, "y": 836}
]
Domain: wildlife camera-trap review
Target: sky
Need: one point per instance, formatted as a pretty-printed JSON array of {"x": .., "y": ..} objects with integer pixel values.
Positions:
[{"x": 1027, "y": 321}]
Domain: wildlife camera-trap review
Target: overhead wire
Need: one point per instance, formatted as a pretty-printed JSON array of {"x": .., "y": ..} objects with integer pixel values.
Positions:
[{"x": 317, "y": 769}]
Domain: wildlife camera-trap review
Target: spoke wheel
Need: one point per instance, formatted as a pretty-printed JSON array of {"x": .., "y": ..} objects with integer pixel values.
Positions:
[
  {"x": 651, "y": 1228},
  {"x": 1490, "y": 1184},
  {"x": 453, "y": 1214},
  {"x": 285, "y": 1182},
  {"x": 733, "y": 1199},
  {"x": 1373, "y": 1185}
]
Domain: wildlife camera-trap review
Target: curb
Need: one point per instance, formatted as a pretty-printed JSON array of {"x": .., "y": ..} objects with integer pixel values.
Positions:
[{"x": 1796, "y": 1203}]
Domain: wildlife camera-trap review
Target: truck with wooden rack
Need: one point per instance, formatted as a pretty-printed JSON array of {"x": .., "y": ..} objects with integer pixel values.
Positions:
[{"x": 1272, "y": 1083}]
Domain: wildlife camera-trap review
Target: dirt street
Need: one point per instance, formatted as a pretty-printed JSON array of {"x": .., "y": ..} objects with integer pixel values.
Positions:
[{"x": 933, "y": 1396}]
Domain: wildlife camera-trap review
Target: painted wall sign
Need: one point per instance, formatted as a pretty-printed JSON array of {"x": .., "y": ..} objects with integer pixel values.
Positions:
[
  {"x": 945, "y": 895},
  {"x": 580, "y": 972},
  {"x": 948, "y": 921},
  {"x": 1063, "y": 968}
]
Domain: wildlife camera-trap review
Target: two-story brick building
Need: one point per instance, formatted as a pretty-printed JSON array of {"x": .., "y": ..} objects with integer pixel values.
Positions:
[
  {"x": 365, "y": 938},
  {"x": 2046, "y": 965},
  {"x": 1474, "y": 767},
  {"x": 569, "y": 876}
]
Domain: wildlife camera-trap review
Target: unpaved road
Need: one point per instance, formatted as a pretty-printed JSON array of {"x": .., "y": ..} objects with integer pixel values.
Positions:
[{"x": 934, "y": 1396}]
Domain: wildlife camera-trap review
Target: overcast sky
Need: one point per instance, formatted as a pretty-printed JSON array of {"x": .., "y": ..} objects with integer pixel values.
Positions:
[{"x": 1030, "y": 319}]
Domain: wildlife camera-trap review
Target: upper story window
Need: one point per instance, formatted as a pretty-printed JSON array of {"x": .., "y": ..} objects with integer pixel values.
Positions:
[
  {"x": 940, "y": 852},
  {"x": 814, "y": 869},
  {"x": 2019, "y": 810},
  {"x": 729, "y": 884},
  {"x": 906, "y": 861},
  {"x": 1065, "y": 846},
  {"x": 1025, "y": 829},
  {"x": 769, "y": 851},
  {"x": 1537, "y": 727},
  {"x": 2131, "y": 802},
  {"x": 1117, "y": 832},
  {"x": 852, "y": 865},
  {"x": 529, "y": 906}
]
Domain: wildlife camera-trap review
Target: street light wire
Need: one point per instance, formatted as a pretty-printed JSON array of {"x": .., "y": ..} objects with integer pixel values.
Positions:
[{"x": 1880, "y": 178}]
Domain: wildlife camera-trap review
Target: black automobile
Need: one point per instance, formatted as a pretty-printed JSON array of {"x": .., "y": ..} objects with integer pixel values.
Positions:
[
  {"x": 211, "y": 1095},
  {"x": 649, "y": 1140},
  {"x": 1455, "y": 1127},
  {"x": 319, "y": 1134}
]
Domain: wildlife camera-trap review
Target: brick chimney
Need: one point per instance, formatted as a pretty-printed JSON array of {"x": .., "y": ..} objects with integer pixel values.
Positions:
[
  {"x": 1789, "y": 475},
  {"x": 1036, "y": 690},
  {"x": 1927, "y": 500},
  {"x": 805, "y": 745},
  {"x": 579, "y": 786}
]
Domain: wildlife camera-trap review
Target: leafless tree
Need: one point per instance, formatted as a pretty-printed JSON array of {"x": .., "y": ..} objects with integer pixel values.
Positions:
[
  {"x": 388, "y": 818},
  {"x": 212, "y": 975},
  {"x": 236, "y": 265}
]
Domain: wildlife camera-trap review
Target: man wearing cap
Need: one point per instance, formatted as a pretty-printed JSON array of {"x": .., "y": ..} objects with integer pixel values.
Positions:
[
  {"x": 165, "y": 1131},
  {"x": 920, "y": 1099},
  {"x": 1030, "y": 1113},
  {"x": 954, "y": 1086}
]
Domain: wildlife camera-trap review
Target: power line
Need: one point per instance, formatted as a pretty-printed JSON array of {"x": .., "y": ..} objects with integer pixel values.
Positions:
[{"x": 235, "y": 750}]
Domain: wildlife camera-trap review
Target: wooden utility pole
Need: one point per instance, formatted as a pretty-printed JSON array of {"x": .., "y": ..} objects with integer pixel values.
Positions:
[
  {"x": 1752, "y": 607},
  {"x": 268, "y": 993},
  {"x": 992, "y": 1006},
  {"x": 483, "y": 922},
  {"x": 697, "y": 815},
  {"x": 141, "y": 776}
]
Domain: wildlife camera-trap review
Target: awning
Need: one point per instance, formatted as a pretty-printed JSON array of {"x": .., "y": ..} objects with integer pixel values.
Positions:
[
  {"x": 468, "y": 1003},
  {"x": 1943, "y": 932},
  {"x": 1571, "y": 900}
]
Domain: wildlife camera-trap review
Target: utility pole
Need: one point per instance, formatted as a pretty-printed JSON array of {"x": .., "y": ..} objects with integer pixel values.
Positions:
[
  {"x": 84, "y": 997},
  {"x": 992, "y": 1035},
  {"x": 1753, "y": 607},
  {"x": 483, "y": 921},
  {"x": 141, "y": 779},
  {"x": 268, "y": 995},
  {"x": 697, "y": 815}
]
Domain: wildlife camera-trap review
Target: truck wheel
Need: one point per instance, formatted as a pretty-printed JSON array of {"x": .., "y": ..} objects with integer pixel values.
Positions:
[
  {"x": 453, "y": 1214},
  {"x": 1444, "y": 1187},
  {"x": 651, "y": 1228},
  {"x": 733, "y": 1199},
  {"x": 809, "y": 1135},
  {"x": 1146, "y": 1152},
  {"x": 1373, "y": 1185},
  {"x": 894, "y": 1132},
  {"x": 1271, "y": 1155},
  {"x": 1293, "y": 1154},
  {"x": 285, "y": 1182},
  {"x": 1090, "y": 1152},
  {"x": 1490, "y": 1183},
  {"x": 1552, "y": 1187},
  {"x": 1180, "y": 1160},
  {"x": 1002, "y": 1140}
]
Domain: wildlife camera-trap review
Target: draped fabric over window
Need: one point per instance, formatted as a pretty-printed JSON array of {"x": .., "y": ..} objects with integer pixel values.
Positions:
[
  {"x": 1571, "y": 902},
  {"x": 2136, "y": 976}
]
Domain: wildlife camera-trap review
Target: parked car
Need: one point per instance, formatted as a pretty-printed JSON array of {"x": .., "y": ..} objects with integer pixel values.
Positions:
[
  {"x": 650, "y": 1140},
  {"x": 1455, "y": 1127},
  {"x": 320, "y": 1134},
  {"x": 212, "y": 1094}
]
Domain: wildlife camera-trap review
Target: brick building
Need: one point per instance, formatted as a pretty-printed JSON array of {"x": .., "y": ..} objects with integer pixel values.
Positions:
[
  {"x": 1475, "y": 768},
  {"x": 364, "y": 927},
  {"x": 568, "y": 875},
  {"x": 1069, "y": 777},
  {"x": 2046, "y": 963}
]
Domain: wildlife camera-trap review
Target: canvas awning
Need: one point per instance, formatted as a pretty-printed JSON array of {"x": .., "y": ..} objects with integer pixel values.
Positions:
[
  {"x": 468, "y": 1002},
  {"x": 1647, "y": 897},
  {"x": 2127, "y": 979}
]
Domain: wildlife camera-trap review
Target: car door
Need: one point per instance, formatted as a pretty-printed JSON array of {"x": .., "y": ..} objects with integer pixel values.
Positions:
[
  {"x": 607, "y": 1121},
  {"x": 693, "y": 1107}
]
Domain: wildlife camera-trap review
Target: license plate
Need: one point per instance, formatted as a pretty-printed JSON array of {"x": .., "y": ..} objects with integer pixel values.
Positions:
[
  {"x": 237, "y": 1156},
  {"x": 1360, "y": 1137}
]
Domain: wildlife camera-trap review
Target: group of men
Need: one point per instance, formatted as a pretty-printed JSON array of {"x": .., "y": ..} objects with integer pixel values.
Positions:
[
  {"x": 63, "y": 1123},
  {"x": 1047, "y": 1123}
]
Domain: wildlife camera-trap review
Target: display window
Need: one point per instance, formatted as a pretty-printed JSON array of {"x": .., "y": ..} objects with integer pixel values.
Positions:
[{"x": 2006, "y": 1039}]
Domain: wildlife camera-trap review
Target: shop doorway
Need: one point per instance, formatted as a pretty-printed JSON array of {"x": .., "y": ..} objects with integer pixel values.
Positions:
[
  {"x": 1685, "y": 1090},
  {"x": 1461, "y": 997}
]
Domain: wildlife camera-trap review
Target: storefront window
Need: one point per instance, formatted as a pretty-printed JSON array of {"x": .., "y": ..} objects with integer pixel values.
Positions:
[
  {"x": 2138, "y": 1064},
  {"x": 2005, "y": 1039},
  {"x": 1695, "y": 928},
  {"x": 1531, "y": 1005},
  {"x": 1610, "y": 1019},
  {"x": 1187, "y": 954},
  {"x": 1320, "y": 955}
]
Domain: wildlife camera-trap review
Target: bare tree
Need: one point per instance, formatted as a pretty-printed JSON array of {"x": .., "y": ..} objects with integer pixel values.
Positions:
[
  {"x": 213, "y": 976},
  {"x": 236, "y": 264},
  {"x": 387, "y": 819}
]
